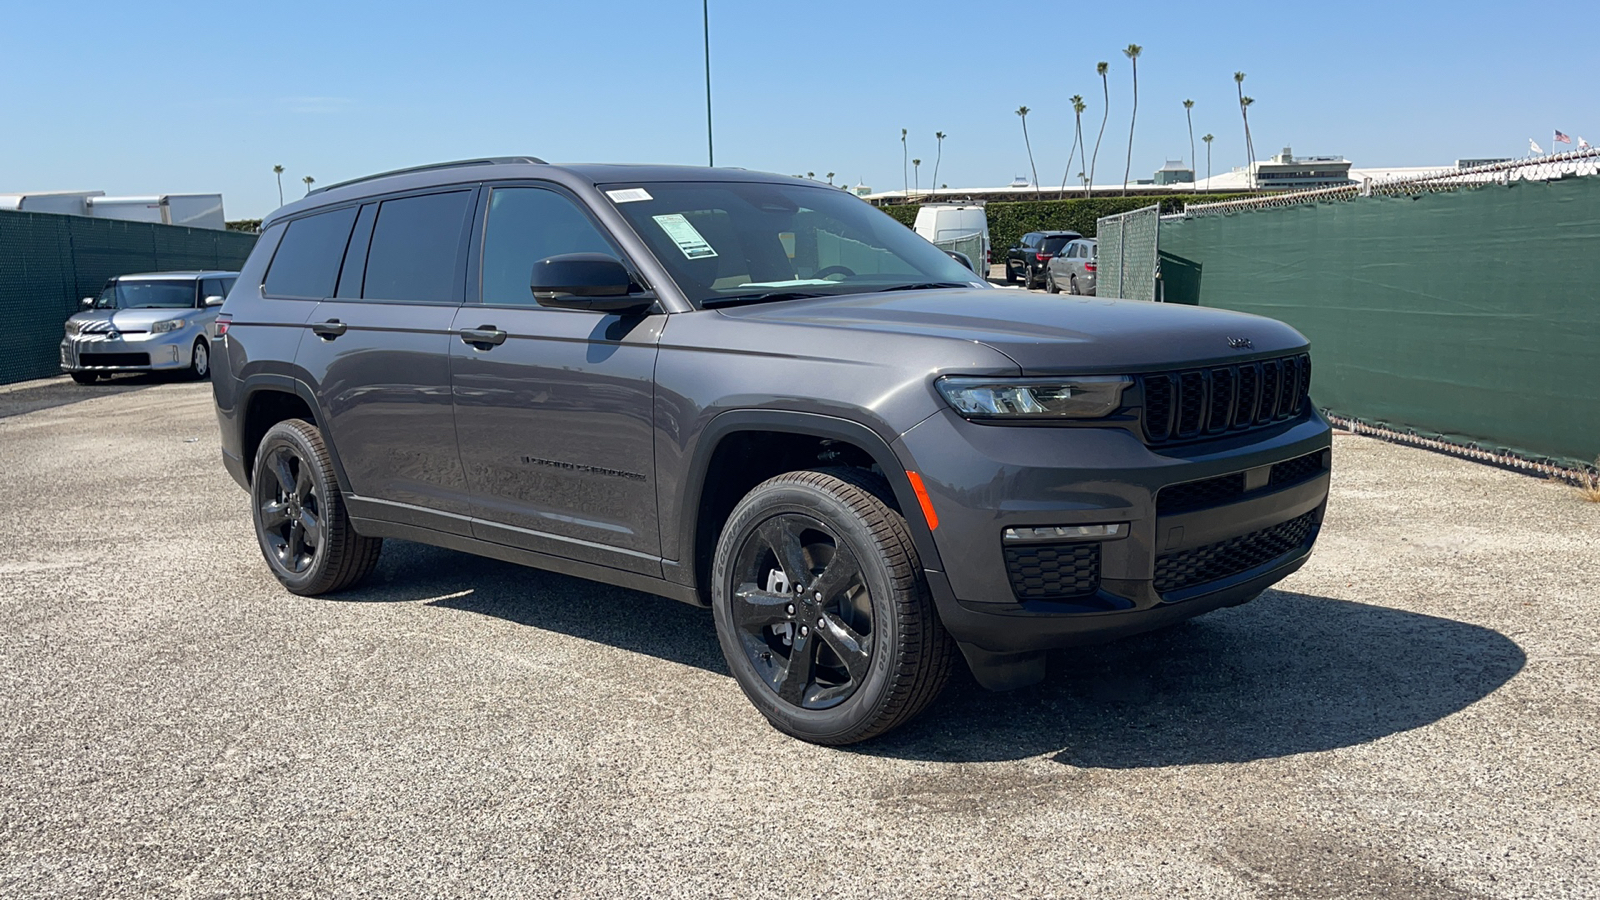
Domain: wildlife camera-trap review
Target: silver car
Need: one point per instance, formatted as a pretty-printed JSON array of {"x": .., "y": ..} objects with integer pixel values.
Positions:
[
  {"x": 155, "y": 321},
  {"x": 1072, "y": 270}
]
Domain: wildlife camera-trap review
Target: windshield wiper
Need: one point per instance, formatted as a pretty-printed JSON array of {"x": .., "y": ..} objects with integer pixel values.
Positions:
[
  {"x": 768, "y": 297},
  {"x": 923, "y": 286}
]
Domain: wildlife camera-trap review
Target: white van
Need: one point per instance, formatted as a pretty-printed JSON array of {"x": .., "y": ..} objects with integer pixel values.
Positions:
[{"x": 942, "y": 223}]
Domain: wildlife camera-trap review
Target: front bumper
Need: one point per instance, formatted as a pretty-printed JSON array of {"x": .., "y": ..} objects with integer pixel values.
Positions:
[
  {"x": 129, "y": 351},
  {"x": 1165, "y": 564}
]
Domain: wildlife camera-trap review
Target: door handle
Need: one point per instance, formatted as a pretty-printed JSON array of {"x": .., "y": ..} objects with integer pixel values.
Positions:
[
  {"x": 483, "y": 337},
  {"x": 330, "y": 329}
]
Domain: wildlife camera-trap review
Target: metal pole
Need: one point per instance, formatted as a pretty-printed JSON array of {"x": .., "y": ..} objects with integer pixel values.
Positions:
[{"x": 705, "y": 12}]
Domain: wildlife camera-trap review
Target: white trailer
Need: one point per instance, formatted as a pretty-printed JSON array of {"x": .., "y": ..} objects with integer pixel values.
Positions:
[{"x": 193, "y": 210}]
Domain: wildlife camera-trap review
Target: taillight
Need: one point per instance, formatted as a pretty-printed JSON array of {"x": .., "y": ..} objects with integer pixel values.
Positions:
[
  {"x": 222, "y": 324},
  {"x": 1041, "y": 257},
  {"x": 1088, "y": 267}
]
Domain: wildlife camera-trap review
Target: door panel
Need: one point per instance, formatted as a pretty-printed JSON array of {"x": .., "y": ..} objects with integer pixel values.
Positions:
[
  {"x": 555, "y": 432},
  {"x": 384, "y": 386}
]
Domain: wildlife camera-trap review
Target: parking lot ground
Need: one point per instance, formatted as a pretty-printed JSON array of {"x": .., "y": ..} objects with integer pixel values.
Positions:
[{"x": 1416, "y": 713}]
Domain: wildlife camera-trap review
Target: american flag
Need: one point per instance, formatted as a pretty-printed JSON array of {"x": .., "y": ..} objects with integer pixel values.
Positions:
[
  {"x": 1562, "y": 139},
  {"x": 1583, "y": 144}
]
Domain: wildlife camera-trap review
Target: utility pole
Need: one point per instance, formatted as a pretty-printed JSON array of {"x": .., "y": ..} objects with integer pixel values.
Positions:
[{"x": 705, "y": 13}]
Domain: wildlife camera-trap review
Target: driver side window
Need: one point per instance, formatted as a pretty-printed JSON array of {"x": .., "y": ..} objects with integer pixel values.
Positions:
[{"x": 525, "y": 225}]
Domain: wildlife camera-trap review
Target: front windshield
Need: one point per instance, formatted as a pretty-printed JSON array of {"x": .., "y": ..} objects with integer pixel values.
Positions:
[
  {"x": 147, "y": 295},
  {"x": 731, "y": 242}
]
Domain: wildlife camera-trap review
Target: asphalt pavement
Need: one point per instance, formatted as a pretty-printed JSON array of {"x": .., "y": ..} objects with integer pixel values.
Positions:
[{"x": 1413, "y": 714}]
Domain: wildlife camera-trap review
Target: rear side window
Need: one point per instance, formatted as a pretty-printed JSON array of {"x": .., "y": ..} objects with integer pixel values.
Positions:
[
  {"x": 307, "y": 261},
  {"x": 416, "y": 245}
]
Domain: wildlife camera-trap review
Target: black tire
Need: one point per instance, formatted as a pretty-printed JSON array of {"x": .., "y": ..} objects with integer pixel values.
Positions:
[
  {"x": 85, "y": 377},
  {"x": 1050, "y": 282},
  {"x": 871, "y": 599},
  {"x": 1072, "y": 286},
  {"x": 299, "y": 515},
  {"x": 200, "y": 360},
  {"x": 1011, "y": 274},
  {"x": 1028, "y": 279}
]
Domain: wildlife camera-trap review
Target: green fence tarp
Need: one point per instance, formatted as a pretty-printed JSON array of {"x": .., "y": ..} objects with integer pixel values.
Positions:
[
  {"x": 1473, "y": 315},
  {"x": 48, "y": 262}
]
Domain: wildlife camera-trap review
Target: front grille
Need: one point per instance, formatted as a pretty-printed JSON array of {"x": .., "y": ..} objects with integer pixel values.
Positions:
[
  {"x": 1053, "y": 571},
  {"x": 1181, "y": 406},
  {"x": 1213, "y": 562},
  {"x": 1202, "y": 494},
  {"x": 114, "y": 360},
  {"x": 1224, "y": 489},
  {"x": 1294, "y": 471}
]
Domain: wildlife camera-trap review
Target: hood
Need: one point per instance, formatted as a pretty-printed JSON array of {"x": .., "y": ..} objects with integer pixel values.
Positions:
[
  {"x": 129, "y": 319},
  {"x": 1049, "y": 333}
]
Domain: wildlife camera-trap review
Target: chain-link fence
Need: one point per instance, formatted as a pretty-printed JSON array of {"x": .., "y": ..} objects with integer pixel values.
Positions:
[
  {"x": 1129, "y": 244},
  {"x": 972, "y": 246},
  {"x": 47, "y": 262},
  {"x": 1533, "y": 168}
]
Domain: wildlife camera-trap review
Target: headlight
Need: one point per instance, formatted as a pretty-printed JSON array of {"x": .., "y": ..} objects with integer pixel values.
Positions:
[
  {"x": 1087, "y": 397},
  {"x": 168, "y": 325},
  {"x": 72, "y": 327}
]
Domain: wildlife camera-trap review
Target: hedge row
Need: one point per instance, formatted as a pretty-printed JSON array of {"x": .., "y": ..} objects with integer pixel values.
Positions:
[{"x": 1008, "y": 222}]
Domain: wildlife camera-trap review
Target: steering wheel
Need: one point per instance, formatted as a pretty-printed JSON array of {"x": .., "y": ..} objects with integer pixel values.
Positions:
[{"x": 834, "y": 270}]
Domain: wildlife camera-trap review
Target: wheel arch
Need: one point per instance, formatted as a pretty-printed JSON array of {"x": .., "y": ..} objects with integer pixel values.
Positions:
[
  {"x": 268, "y": 399},
  {"x": 706, "y": 502}
]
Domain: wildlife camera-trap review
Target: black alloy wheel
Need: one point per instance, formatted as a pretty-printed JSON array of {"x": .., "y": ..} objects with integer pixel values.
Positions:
[
  {"x": 1050, "y": 282},
  {"x": 821, "y": 608},
  {"x": 301, "y": 523}
]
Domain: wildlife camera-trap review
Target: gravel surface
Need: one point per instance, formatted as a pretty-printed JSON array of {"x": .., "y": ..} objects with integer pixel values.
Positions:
[{"x": 1413, "y": 714}]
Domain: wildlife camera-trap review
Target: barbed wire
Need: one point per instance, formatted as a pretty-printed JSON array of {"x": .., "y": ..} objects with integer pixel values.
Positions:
[
  {"x": 1532, "y": 168},
  {"x": 1559, "y": 470}
]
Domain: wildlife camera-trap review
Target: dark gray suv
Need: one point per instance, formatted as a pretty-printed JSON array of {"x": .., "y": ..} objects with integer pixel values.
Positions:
[{"x": 761, "y": 395}]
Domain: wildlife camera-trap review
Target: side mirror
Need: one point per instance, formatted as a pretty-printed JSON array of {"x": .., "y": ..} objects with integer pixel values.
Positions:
[
  {"x": 962, "y": 258},
  {"x": 86, "y": 303},
  {"x": 587, "y": 281},
  {"x": 212, "y": 301}
]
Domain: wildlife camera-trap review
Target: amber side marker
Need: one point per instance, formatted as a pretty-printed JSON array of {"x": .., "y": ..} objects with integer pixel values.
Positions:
[{"x": 922, "y": 498}]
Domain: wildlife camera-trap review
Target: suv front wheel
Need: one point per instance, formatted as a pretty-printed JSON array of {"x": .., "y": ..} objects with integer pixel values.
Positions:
[
  {"x": 301, "y": 524},
  {"x": 822, "y": 610}
]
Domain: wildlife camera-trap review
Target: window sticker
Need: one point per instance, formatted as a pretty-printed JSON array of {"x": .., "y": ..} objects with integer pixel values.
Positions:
[
  {"x": 686, "y": 236},
  {"x": 629, "y": 195}
]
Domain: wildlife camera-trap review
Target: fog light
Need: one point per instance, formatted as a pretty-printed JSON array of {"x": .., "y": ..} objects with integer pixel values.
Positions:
[{"x": 1067, "y": 532}]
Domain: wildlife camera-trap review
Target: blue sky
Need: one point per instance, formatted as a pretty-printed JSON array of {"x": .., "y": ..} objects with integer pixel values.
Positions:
[{"x": 180, "y": 97}]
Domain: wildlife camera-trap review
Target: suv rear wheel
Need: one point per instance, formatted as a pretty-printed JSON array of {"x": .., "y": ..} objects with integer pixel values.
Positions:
[
  {"x": 301, "y": 523},
  {"x": 822, "y": 610}
]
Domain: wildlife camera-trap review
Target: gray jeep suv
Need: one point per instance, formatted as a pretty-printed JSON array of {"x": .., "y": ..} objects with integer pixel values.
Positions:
[{"x": 760, "y": 395}]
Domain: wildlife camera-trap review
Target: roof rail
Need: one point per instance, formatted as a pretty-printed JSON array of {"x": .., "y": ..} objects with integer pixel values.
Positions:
[{"x": 486, "y": 161}]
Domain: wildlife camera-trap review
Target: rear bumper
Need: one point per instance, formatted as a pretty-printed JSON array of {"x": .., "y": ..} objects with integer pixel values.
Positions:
[{"x": 1168, "y": 562}]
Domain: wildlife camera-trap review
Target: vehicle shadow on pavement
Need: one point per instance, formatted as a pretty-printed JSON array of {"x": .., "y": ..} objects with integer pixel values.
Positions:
[
  {"x": 1288, "y": 673},
  {"x": 64, "y": 392},
  {"x": 621, "y": 618}
]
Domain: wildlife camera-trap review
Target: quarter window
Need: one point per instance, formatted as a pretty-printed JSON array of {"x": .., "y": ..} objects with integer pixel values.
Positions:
[
  {"x": 307, "y": 261},
  {"x": 524, "y": 226},
  {"x": 415, "y": 247}
]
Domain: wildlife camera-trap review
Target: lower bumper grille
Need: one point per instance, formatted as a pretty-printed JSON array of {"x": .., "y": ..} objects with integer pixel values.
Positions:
[
  {"x": 1053, "y": 571},
  {"x": 1214, "y": 562},
  {"x": 114, "y": 360}
]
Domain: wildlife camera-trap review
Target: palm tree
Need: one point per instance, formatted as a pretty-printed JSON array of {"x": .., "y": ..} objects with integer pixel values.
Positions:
[
  {"x": 1208, "y": 138},
  {"x": 906, "y": 187},
  {"x": 1078, "y": 107},
  {"x": 278, "y": 171},
  {"x": 1023, "y": 112},
  {"x": 916, "y": 174},
  {"x": 830, "y": 179},
  {"x": 1105, "y": 88},
  {"x": 1187, "y": 106},
  {"x": 1244, "y": 110},
  {"x": 810, "y": 176},
  {"x": 938, "y": 137},
  {"x": 1132, "y": 53},
  {"x": 309, "y": 181},
  {"x": 1249, "y": 149}
]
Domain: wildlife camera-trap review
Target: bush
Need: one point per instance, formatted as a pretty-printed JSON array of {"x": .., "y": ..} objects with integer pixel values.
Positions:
[
  {"x": 249, "y": 226},
  {"x": 1009, "y": 221}
]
